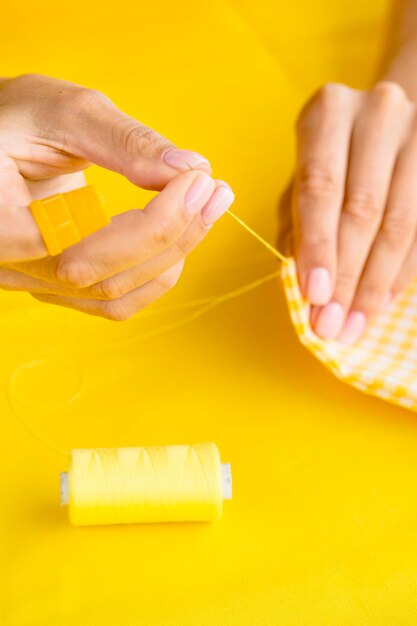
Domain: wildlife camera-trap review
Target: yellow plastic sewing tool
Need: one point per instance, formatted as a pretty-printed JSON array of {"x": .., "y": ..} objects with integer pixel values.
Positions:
[{"x": 64, "y": 219}]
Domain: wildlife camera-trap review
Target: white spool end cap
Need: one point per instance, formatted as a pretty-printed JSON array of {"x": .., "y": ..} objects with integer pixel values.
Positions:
[
  {"x": 226, "y": 474},
  {"x": 64, "y": 489}
]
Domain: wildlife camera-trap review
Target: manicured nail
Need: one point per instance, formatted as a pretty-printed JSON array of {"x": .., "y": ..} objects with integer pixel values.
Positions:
[
  {"x": 198, "y": 194},
  {"x": 353, "y": 328},
  {"x": 319, "y": 286},
  {"x": 330, "y": 321},
  {"x": 222, "y": 183},
  {"x": 186, "y": 160},
  {"x": 218, "y": 204}
]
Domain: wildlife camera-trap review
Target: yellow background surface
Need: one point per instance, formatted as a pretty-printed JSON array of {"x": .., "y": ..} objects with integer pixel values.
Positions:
[{"x": 322, "y": 529}]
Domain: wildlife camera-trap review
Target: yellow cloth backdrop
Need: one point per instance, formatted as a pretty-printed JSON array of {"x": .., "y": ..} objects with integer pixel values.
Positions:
[{"x": 322, "y": 529}]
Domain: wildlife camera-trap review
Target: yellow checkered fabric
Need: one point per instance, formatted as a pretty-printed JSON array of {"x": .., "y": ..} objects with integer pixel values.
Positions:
[{"x": 383, "y": 362}]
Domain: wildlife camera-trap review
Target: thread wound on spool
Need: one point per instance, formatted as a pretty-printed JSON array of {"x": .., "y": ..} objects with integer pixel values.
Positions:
[{"x": 152, "y": 484}]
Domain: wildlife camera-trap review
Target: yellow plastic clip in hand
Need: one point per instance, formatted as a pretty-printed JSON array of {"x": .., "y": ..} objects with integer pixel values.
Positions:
[{"x": 65, "y": 219}]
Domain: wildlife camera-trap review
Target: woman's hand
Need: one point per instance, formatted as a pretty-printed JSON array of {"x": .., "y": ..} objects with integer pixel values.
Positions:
[
  {"x": 354, "y": 204},
  {"x": 51, "y": 130}
]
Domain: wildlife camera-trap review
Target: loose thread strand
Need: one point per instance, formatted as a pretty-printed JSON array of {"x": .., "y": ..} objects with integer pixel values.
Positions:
[
  {"x": 31, "y": 429},
  {"x": 203, "y": 301},
  {"x": 170, "y": 326},
  {"x": 206, "y": 304},
  {"x": 261, "y": 240},
  {"x": 214, "y": 302}
]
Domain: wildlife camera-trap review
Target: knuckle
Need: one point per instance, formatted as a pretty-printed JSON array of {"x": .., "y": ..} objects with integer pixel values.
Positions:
[
  {"x": 164, "y": 282},
  {"x": 345, "y": 281},
  {"x": 324, "y": 101},
  {"x": 315, "y": 242},
  {"x": 164, "y": 234},
  {"x": 137, "y": 138},
  {"x": 333, "y": 92},
  {"x": 85, "y": 96},
  {"x": 115, "y": 311},
  {"x": 388, "y": 93},
  {"x": 109, "y": 289},
  {"x": 27, "y": 77},
  {"x": 362, "y": 207},
  {"x": 168, "y": 279},
  {"x": 30, "y": 80},
  {"x": 75, "y": 272},
  {"x": 182, "y": 247},
  {"x": 316, "y": 180},
  {"x": 398, "y": 227}
]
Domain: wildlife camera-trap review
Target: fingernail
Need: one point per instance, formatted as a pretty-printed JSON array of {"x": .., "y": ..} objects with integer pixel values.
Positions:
[
  {"x": 198, "y": 193},
  {"x": 330, "y": 321},
  {"x": 319, "y": 286},
  {"x": 222, "y": 183},
  {"x": 185, "y": 160},
  {"x": 218, "y": 204},
  {"x": 353, "y": 328}
]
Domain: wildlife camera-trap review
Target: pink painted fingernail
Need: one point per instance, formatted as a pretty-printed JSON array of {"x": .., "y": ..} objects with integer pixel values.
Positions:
[
  {"x": 218, "y": 204},
  {"x": 198, "y": 194},
  {"x": 186, "y": 160},
  {"x": 222, "y": 183},
  {"x": 319, "y": 286},
  {"x": 353, "y": 328},
  {"x": 330, "y": 321}
]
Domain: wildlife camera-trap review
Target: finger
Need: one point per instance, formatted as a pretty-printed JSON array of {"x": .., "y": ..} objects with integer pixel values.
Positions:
[
  {"x": 128, "y": 280},
  {"x": 11, "y": 280},
  {"x": 323, "y": 136},
  {"x": 131, "y": 239},
  {"x": 407, "y": 273},
  {"x": 115, "y": 286},
  {"x": 392, "y": 244},
  {"x": 123, "y": 308},
  {"x": 376, "y": 138},
  {"x": 93, "y": 128},
  {"x": 285, "y": 218},
  {"x": 19, "y": 236}
]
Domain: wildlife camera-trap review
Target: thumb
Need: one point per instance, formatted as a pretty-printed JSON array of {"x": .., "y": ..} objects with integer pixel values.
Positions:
[{"x": 106, "y": 136}]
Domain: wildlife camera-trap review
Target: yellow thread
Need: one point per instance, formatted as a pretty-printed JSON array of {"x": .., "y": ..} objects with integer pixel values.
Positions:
[
  {"x": 232, "y": 294},
  {"x": 30, "y": 429},
  {"x": 261, "y": 240},
  {"x": 211, "y": 304},
  {"x": 154, "y": 484},
  {"x": 160, "y": 484},
  {"x": 207, "y": 304}
]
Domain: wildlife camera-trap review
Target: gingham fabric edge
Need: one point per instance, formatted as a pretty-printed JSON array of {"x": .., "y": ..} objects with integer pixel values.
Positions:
[{"x": 299, "y": 314}]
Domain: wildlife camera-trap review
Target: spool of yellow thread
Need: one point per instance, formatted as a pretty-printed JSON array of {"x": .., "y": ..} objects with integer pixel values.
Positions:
[{"x": 141, "y": 485}]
